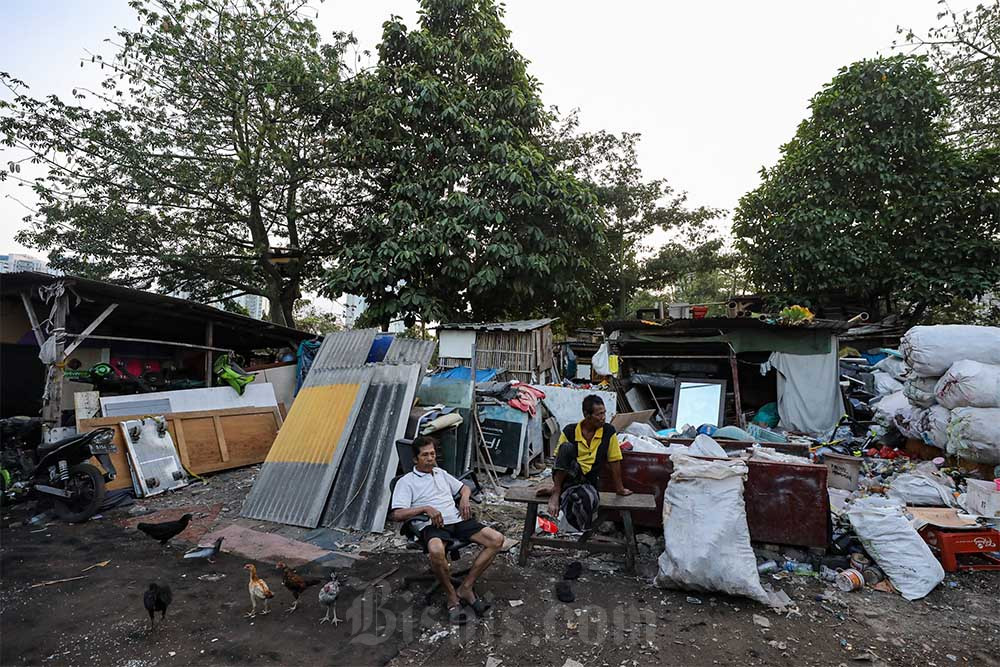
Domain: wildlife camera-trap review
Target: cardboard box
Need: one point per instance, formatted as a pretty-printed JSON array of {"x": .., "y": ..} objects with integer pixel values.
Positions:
[{"x": 982, "y": 498}]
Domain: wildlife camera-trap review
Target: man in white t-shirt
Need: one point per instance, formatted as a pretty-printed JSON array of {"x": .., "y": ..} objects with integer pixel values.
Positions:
[{"x": 429, "y": 490}]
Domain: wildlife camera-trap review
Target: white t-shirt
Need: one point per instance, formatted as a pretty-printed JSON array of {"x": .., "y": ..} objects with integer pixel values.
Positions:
[{"x": 436, "y": 489}]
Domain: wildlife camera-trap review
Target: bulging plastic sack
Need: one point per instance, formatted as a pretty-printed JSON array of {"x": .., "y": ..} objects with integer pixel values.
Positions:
[
  {"x": 969, "y": 384},
  {"x": 885, "y": 384},
  {"x": 931, "y": 350},
  {"x": 933, "y": 426},
  {"x": 896, "y": 547},
  {"x": 920, "y": 391},
  {"x": 707, "y": 541},
  {"x": 895, "y": 367},
  {"x": 601, "y": 362},
  {"x": 974, "y": 434},
  {"x": 705, "y": 445}
]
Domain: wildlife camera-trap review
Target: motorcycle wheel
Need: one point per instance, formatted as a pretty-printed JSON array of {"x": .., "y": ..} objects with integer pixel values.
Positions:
[{"x": 88, "y": 482}]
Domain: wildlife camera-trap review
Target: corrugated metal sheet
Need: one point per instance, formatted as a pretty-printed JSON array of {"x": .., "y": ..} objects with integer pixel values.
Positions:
[
  {"x": 411, "y": 351},
  {"x": 296, "y": 477},
  {"x": 516, "y": 325},
  {"x": 360, "y": 495},
  {"x": 344, "y": 349}
]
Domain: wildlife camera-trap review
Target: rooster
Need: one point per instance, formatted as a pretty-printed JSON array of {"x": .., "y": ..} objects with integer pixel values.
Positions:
[
  {"x": 166, "y": 530},
  {"x": 157, "y": 599},
  {"x": 259, "y": 590},
  {"x": 328, "y": 598},
  {"x": 295, "y": 584}
]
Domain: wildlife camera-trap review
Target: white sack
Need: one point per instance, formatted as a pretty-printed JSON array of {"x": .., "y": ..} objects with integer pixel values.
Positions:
[
  {"x": 885, "y": 384},
  {"x": 773, "y": 455},
  {"x": 895, "y": 367},
  {"x": 641, "y": 429},
  {"x": 896, "y": 547},
  {"x": 600, "y": 362},
  {"x": 974, "y": 434},
  {"x": 917, "y": 489},
  {"x": 894, "y": 410},
  {"x": 933, "y": 426},
  {"x": 707, "y": 542},
  {"x": 931, "y": 350},
  {"x": 704, "y": 445},
  {"x": 920, "y": 391},
  {"x": 969, "y": 384}
]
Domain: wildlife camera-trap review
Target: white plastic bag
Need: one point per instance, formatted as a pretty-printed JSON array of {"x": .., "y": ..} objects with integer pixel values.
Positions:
[
  {"x": 931, "y": 350},
  {"x": 704, "y": 445},
  {"x": 894, "y": 410},
  {"x": 917, "y": 489},
  {"x": 969, "y": 384},
  {"x": 707, "y": 542},
  {"x": 895, "y": 367},
  {"x": 933, "y": 426},
  {"x": 600, "y": 362},
  {"x": 974, "y": 434},
  {"x": 896, "y": 547},
  {"x": 885, "y": 384},
  {"x": 920, "y": 391}
]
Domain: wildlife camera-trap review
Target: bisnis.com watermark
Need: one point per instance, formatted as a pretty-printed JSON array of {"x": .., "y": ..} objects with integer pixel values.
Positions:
[{"x": 381, "y": 614}]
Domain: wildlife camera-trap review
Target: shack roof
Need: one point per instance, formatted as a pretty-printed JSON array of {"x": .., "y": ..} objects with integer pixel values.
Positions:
[
  {"x": 516, "y": 325},
  {"x": 152, "y": 316},
  {"x": 712, "y": 325}
]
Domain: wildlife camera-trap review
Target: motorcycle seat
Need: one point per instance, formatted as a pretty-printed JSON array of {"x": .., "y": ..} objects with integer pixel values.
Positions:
[{"x": 47, "y": 447}]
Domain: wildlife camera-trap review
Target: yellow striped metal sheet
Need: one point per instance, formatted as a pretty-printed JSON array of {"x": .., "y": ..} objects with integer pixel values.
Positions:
[{"x": 314, "y": 424}]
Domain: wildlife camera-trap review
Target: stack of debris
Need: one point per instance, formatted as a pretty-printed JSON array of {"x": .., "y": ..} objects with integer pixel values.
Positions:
[{"x": 335, "y": 454}]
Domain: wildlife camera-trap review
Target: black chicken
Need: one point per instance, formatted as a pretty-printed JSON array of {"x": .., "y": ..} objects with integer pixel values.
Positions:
[
  {"x": 167, "y": 530},
  {"x": 157, "y": 598}
]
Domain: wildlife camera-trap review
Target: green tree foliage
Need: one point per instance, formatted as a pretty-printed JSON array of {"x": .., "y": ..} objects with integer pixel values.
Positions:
[
  {"x": 629, "y": 207},
  {"x": 474, "y": 219},
  {"x": 201, "y": 151},
  {"x": 699, "y": 270},
  {"x": 869, "y": 197},
  {"x": 965, "y": 51},
  {"x": 310, "y": 317}
]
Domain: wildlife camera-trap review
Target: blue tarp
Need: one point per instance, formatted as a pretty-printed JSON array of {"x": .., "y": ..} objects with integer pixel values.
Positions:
[
  {"x": 379, "y": 347},
  {"x": 465, "y": 373}
]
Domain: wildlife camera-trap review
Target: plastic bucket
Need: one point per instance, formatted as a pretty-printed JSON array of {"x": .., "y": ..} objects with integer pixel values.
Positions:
[{"x": 850, "y": 580}]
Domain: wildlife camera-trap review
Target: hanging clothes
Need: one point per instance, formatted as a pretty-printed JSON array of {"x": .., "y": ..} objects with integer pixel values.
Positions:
[{"x": 809, "y": 398}]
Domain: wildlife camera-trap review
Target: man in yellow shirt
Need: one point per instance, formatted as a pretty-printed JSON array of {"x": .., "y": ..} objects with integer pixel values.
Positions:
[{"x": 584, "y": 449}]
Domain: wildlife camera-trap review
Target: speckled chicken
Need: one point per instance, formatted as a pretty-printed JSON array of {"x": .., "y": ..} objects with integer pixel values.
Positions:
[
  {"x": 295, "y": 584},
  {"x": 328, "y": 598},
  {"x": 259, "y": 590}
]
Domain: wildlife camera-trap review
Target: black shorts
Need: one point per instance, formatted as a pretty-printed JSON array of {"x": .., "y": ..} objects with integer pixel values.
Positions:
[{"x": 462, "y": 530}]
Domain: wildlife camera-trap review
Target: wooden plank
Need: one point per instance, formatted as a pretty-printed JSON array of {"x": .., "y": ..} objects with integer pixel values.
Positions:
[
  {"x": 111, "y": 421},
  {"x": 181, "y": 442},
  {"x": 592, "y": 546},
  {"x": 82, "y": 336},
  {"x": 209, "y": 333},
  {"x": 33, "y": 318},
  {"x": 52, "y": 405},
  {"x": 609, "y": 501},
  {"x": 220, "y": 434},
  {"x": 153, "y": 341}
]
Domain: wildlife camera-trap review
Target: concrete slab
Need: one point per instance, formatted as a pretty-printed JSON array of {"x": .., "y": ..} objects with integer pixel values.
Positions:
[{"x": 266, "y": 547}]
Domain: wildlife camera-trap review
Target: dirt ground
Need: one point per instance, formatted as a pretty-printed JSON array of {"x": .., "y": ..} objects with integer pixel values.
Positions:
[{"x": 616, "y": 620}]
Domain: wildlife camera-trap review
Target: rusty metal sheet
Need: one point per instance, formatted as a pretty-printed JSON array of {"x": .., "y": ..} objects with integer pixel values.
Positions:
[
  {"x": 411, "y": 351},
  {"x": 786, "y": 503},
  {"x": 296, "y": 477}
]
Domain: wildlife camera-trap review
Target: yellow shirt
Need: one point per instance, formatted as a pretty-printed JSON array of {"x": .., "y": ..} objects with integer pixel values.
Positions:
[{"x": 586, "y": 452}]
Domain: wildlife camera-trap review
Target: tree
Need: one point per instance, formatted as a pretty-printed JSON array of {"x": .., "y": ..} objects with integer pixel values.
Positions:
[
  {"x": 200, "y": 165},
  {"x": 869, "y": 197},
  {"x": 965, "y": 51},
  {"x": 309, "y": 317},
  {"x": 629, "y": 206},
  {"x": 474, "y": 220},
  {"x": 698, "y": 270}
]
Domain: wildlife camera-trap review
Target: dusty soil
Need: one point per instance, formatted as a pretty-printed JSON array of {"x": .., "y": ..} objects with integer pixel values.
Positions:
[{"x": 616, "y": 620}]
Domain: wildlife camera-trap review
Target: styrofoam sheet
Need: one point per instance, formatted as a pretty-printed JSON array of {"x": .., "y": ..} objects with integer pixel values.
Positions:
[
  {"x": 192, "y": 400},
  {"x": 566, "y": 403},
  {"x": 281, "y": 379}
]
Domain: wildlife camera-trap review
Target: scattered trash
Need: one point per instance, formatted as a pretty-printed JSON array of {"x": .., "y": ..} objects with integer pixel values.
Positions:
[
  {"x": 692, "y": 600},
  {"x": 767, "y": 567},
  {"x": 761, "y": 621},
  {"x": 493, "y": 662},
  {"x": 441, "y": 634},
  {"x": 850, "y": 580},
  {"x": 214, "y": 576},
  {"x": 56, "y": 581},
  {"x": 516, "y": 603},
  {"x": 781, "y": 646},
  {"x": 572, "y": 663}
]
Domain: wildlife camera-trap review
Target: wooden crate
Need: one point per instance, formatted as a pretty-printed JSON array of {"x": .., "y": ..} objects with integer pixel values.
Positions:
[{"x": 208, "y": 441}]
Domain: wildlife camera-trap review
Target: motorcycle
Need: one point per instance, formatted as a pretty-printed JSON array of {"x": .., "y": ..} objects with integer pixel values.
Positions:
[{"x": 59, "y": 471}]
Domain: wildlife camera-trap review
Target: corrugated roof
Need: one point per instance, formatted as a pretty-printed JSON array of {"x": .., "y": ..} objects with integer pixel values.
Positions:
[
  {"x": 410, "y": 351},
  {"x": 344, "y": 349},
  {"x": 360, "y": 495},
  {"x": 516, "y": 325},
  {"x": 296, "y": 477}
]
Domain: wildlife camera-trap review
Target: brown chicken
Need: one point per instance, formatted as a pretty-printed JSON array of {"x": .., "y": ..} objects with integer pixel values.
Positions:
[
  {"x": 259, "y": 590},
  {"x": 295, "y": 584}
]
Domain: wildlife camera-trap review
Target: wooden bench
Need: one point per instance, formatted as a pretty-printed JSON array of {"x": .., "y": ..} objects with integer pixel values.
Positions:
[{"x": 609, "y": 501}]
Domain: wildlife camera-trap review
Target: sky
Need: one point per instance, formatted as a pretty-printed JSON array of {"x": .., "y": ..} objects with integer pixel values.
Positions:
[{"x": 715, "y": 88}]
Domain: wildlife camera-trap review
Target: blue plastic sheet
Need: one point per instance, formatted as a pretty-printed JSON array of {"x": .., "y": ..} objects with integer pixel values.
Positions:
[
  {"x": 465, "y": 373},
  {"x": 379, "y": 347}
]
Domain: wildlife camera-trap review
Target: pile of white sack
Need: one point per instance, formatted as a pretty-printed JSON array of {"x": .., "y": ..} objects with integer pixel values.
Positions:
[{"x": 948, "y": 391}]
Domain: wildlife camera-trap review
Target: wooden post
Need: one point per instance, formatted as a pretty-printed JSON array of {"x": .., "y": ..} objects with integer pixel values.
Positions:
[
  {"x": 740, "y": 421},
  {"x": 82, "y": 336},
  {"x": 30, "y": 310},
  {"x": 52, "y": 405},
  {"x": 209, "y": 331}
]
